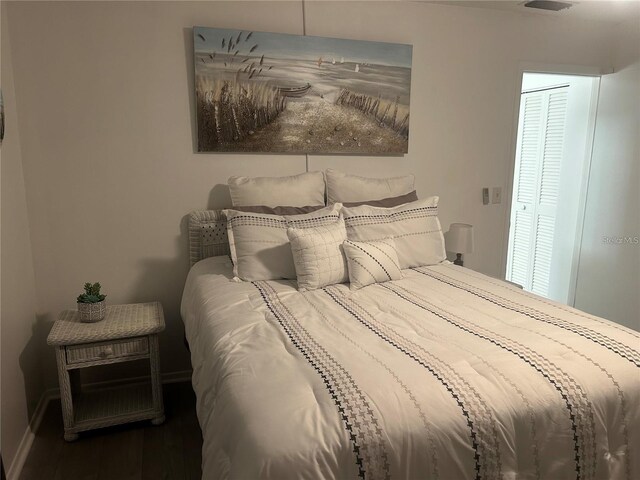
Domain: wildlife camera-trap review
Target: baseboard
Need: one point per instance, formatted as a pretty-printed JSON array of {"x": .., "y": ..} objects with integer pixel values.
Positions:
[
  {"x": 15, "y": 468},
  {"x": 24, "y": 447},
  {"x": 177, "y": 377}
]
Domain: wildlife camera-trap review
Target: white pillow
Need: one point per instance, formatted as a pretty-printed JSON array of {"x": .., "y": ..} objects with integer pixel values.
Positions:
[
  {"x": 414, "y": 227},
  {"x": 318, "y": 256},
  {"x": 343, "y": 188},
  {"x": 372, "y": 262},
  {"x": 259, "y": 244},
  {"x": 306, "y": 189}
]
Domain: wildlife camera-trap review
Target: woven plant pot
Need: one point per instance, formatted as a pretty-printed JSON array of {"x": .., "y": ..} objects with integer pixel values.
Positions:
[{"x": 92, "y": 312}]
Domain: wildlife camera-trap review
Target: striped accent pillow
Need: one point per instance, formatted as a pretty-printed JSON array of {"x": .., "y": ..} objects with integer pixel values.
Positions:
[
  {"x": 371, "y": 262},
  {"x": 259, "y": 245},
  {"x": 414, "y": 227},
  {"x": 317, "y": 255}
]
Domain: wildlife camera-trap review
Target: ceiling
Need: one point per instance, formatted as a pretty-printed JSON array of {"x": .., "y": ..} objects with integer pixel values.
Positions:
[{"x": 612, "y": 11}]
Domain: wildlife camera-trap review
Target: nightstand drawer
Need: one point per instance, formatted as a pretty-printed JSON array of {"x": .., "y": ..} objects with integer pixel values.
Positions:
[{"x": 107, "y": 350}]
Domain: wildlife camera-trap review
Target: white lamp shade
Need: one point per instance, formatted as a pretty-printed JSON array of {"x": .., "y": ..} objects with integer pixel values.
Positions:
[{"x": 459, "y": 238}]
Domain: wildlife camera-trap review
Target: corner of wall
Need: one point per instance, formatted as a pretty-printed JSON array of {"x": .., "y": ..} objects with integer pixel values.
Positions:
[{"x": 21, "y": 340}]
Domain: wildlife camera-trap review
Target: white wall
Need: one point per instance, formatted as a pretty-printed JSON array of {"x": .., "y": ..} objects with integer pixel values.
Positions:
[
  {"x": 105, "y": 104},
  {"x": 609, "y": 273},
  {"x": 534, "y": 81},
  {"x": 21, "y": 384}
]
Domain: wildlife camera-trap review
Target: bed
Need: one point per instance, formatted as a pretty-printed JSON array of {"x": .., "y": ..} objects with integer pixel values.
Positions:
[{"x": 444, "y": 374}]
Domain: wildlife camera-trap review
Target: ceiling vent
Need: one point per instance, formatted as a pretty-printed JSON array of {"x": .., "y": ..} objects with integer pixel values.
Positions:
[{"x": 548, "y": 5}]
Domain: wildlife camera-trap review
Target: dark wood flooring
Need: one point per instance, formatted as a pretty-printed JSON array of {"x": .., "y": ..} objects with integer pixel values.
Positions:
[{"x": 138, "y": 451}]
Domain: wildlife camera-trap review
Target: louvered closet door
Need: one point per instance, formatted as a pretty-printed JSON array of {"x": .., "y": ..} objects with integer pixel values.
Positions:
[{"x": 541, "y": 137}]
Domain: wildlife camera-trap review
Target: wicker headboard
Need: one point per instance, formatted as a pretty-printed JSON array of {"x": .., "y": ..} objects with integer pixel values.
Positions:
[{"x": 207, "y": 235}]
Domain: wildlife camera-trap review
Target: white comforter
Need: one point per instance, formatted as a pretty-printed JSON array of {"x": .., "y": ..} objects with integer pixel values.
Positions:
[{"x": 444, "y": 374}]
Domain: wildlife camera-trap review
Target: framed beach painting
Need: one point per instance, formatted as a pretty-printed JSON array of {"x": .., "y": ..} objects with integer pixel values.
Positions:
[{"x": 277, "y": 93}]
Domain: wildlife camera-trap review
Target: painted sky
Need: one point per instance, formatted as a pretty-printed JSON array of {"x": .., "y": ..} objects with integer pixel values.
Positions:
[{"x": 280, "y": 45}]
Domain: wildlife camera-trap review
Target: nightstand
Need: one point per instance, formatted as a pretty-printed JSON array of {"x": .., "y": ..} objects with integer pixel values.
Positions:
[{"x": 128, "y": 333}]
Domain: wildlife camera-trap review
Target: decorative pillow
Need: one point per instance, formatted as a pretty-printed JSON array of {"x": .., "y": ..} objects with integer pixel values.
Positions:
[
  {"x": 317, "y": 255},
  {"x": 386, "y": 202},
  {"x": 342, "y": 187},
  {"x": 259, "y": 244},
  {"x": 414, "y": 227},
  {"x": 372, "y": 262},
  {"x": 280, "y": 210},
  {"x": 297, "y": 190}
]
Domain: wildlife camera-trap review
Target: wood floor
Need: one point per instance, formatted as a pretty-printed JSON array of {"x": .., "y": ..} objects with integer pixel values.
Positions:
[{"x": 138, "y": 451}]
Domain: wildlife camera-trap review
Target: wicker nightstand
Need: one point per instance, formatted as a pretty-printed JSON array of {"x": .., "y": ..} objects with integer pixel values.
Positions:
[{"x": 128, "y": 332}]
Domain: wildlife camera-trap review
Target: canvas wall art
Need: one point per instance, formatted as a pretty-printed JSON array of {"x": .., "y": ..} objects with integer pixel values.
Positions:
[{"x": 277, "y": 93}]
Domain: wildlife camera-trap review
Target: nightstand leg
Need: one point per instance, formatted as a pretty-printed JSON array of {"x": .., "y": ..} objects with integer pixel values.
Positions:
[
  {"x": 158, "y": 420},
  {"x": 156, "y": 384},
  {"x": 66, "y": 398}
]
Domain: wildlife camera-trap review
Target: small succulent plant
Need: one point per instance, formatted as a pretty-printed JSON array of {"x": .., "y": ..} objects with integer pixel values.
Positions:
[{"x": 91, "y": 294}]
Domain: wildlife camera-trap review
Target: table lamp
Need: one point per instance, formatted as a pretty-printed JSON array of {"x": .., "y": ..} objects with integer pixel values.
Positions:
[{"x": 459, "y": 240}]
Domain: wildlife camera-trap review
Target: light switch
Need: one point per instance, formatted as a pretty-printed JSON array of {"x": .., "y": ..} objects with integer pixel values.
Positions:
[
  {"x": 485, "y": 196},
  {"x": 496, "y": 195}
]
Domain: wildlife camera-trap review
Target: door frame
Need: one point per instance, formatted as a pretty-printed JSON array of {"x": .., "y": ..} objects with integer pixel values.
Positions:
[{"x": 558, "y": 69}]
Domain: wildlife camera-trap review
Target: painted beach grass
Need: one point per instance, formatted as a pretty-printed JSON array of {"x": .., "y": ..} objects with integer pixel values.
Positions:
[
  {"x": 388, "y": 114},
  {"x": 231, "y": 110},
  {"x": 263, "y": 92}
]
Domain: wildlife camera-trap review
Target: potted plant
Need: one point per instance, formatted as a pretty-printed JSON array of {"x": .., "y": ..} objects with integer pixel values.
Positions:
[{"x": 91, "y": 304}]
